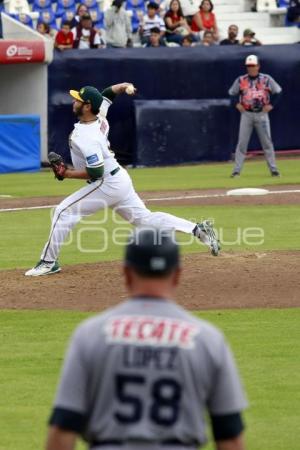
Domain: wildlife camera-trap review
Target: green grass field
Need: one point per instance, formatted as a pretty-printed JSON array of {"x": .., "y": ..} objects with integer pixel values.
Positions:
[
  {"x": 270, "y": 227},
  {"x": 205, "y": 176},
  {"x": 266, "y": 342}
]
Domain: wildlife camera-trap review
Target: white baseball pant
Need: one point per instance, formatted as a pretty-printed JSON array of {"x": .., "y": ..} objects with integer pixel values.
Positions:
[{"x": 115, "y": 191}]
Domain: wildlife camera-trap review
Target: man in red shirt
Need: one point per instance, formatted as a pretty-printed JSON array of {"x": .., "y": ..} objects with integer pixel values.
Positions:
[{"x": 64, "y": 38}]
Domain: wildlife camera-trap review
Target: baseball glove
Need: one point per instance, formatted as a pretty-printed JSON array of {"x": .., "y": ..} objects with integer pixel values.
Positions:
[{"x": 57, "y": 164}]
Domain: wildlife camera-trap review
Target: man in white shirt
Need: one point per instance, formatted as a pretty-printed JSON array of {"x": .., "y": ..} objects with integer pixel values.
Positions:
[{"x": 85, "y": 36}]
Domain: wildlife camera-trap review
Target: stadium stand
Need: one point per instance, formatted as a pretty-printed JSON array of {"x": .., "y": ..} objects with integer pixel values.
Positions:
[
  {"x": 97, "y": 17},
  {"x": 41, "y": 5},
  {"x": 268, "y": 21},
  {"x": 65, "y": 5},
  {"x": 48, "y": 16},
  {"x": 266, "y": 17}
]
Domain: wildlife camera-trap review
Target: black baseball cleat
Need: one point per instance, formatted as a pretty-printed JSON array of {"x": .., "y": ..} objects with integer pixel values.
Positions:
[
  {"x": 235, "y": 174},
  {"x": 275, "y": 173}
]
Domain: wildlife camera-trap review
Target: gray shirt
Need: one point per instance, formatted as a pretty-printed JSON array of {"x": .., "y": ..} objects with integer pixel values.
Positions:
[
  {"x": 118, "y": 27},
  {"x": 147, "y": 370}
]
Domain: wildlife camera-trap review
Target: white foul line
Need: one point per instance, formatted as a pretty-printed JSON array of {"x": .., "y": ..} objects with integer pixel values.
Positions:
[
  {"x": 27, "y": 208},
  {"x": 182, "y": 197}
]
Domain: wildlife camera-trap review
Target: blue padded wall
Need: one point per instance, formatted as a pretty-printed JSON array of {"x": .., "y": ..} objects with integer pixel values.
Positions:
[
  {"x": 179, "y": 131},
  {"x": 20, "y": 143}
]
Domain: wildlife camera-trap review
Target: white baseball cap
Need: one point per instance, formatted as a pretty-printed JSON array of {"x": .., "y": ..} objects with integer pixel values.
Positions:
[{"x": 252, "y": 60}]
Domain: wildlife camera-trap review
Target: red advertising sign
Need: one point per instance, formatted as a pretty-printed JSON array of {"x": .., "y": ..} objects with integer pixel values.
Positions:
[{"x": 15, "y": 52}]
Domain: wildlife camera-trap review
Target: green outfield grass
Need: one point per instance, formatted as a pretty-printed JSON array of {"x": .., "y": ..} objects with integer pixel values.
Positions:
[
  {"x": 203, "y": 176},
  {"x": 251, "y": 228},
  {"x": 266, "y": 344}
]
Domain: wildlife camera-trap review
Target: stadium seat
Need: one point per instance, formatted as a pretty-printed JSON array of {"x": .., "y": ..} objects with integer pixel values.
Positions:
[
  {"x": 266, "y": 5},
  {"x": 97, "y": 17},
  {"x": 23, "y": 18},
  {"x": 283, "y": 3},
  {"x": 17, "y": 7},
  {"x": 68, "y": 15},
  {"x": 91, "y": 4},
  {"x": 135, "y": 21},
  {"x": 135, "y": 4},
  {"x": 65, "y": 5},
  {"x": 48, "y": 16},
  {"x": 41, "y": 5}
]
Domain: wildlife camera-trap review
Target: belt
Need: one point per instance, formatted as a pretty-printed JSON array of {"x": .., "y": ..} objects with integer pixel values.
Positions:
[
  {"x": 116, "y": 170},
  {"x": 119, "y": 442}
]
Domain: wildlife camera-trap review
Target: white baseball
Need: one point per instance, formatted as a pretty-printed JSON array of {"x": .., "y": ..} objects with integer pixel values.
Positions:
[{"x": 130, "y": 89}]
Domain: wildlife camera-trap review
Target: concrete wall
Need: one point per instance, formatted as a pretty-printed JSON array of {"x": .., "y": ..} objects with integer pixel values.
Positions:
[{"x": 24, "y": 87}]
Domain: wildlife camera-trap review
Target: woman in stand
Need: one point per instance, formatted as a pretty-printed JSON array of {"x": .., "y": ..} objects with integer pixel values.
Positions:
[
  {"x": 80, "y": 11},
  {"x": 208, "y": 19},
  {"x": 176, "y": 24}
]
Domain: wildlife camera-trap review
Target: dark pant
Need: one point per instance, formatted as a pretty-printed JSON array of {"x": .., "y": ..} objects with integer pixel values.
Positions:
[{"x": 1, "y": 34}]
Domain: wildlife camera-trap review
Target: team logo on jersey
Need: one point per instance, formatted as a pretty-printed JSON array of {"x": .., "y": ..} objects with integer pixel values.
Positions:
[
  {"x": 92, "y": 159},
  {"x": 151, "y": 330},
  {"x": 103, "y": 127}
]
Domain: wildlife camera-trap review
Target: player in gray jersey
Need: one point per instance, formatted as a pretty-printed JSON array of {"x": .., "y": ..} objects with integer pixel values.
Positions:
[
  {"x": 254, "y": 93},
  {"x": 143, "y": 374}
]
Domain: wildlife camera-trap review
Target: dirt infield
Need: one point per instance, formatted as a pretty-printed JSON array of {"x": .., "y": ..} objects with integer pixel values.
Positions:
[{"x": 247, "y": 280}]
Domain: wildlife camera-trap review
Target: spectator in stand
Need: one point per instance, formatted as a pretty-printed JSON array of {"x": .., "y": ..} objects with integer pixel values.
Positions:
[
  {"x": 151, "y": 20},
  {"x": 293, "y": 12},
  {"x": 249, "y": 39},
  {"x": 155, "y": 38},
  {"x": 85, "y": 36},
  {"x": 80, "y": 11},
  {"x": 1, "y": 9},
  {"x": 64, "y": 38},
  {"x": 118, "y": 26},
  {"x": 44, "y": 29},
  {"x": 190, "y": 9},
  {"x": 233, "y": 32},
  {"x": 187, "y": 41},
  {"x": 176, "y": 25},
  {"x": 207, "y": 19},
  {"x": 208, "y": 39}
]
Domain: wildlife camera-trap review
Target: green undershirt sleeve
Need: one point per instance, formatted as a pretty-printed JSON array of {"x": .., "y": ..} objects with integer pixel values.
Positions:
[
  {"x": 109, "y": 94},
  {"x": 95, "y": 172}
]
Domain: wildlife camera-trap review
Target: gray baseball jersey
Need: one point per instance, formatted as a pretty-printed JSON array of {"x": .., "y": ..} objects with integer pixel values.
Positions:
[
  {"x": 147, "y": 371},
  {"x": 254, "y": 92}
]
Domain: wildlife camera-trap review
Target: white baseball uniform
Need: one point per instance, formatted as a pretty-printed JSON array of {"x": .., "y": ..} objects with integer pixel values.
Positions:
[{"x": 89, "y": 147}]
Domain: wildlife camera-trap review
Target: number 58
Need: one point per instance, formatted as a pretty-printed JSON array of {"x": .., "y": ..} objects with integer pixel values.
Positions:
[{"x": 165, "y": 394}]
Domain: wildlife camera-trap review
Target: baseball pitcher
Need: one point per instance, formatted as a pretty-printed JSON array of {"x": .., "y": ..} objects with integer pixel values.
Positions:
[
  {"x": 108, "y": 184},
  {"x": 143, "y": 374},
  {"x": 255, "y": 91}
]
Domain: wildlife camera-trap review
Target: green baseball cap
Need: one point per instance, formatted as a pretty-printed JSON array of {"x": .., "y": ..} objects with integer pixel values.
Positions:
[
  {"x": 249, "y": 32},
  {"x": 88, "y": 94}
]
